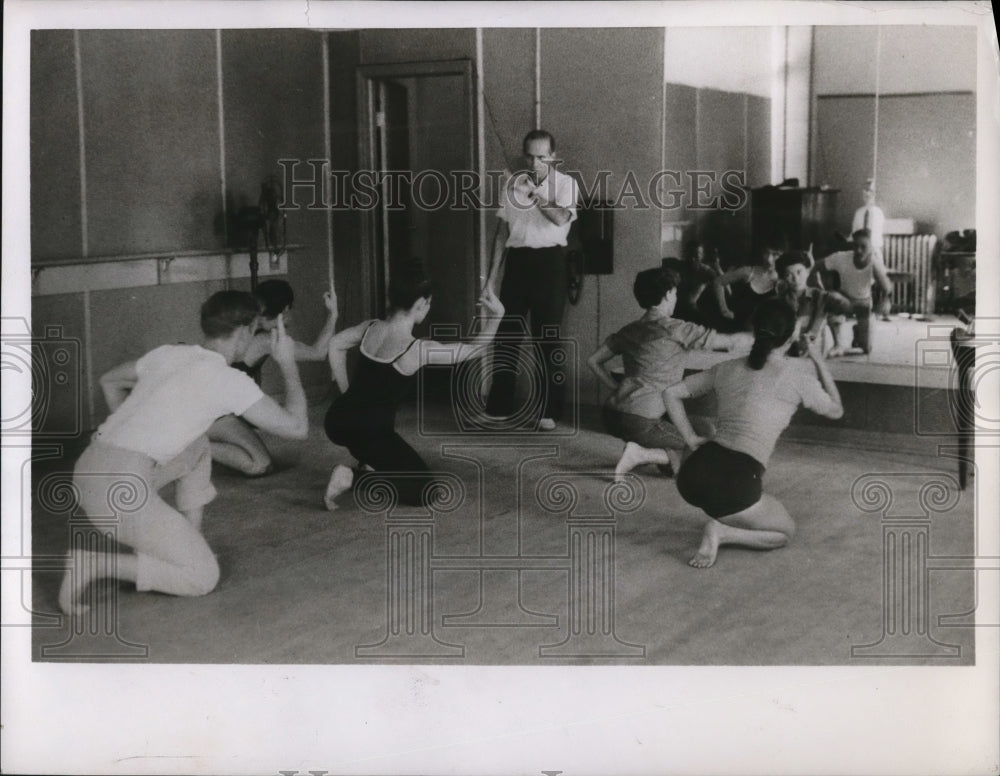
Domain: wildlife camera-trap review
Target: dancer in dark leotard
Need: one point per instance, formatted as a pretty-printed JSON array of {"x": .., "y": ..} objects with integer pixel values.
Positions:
[
  {"x": 363, "y": 418},
  {"x": 748, "y": 286}
]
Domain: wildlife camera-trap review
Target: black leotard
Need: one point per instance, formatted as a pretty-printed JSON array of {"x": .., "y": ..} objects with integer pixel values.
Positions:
[
  {"x": 363, "y": 420},
  {"x": 376, "y": 390}
]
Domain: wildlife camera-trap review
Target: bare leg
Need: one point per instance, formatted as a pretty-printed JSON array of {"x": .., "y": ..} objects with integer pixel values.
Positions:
[
  {"x": 764, "y": 526},
  {"x": 235, "y": 444},
  {"x": 838, "y": 346},
  {"x": 635, "y": 455}
]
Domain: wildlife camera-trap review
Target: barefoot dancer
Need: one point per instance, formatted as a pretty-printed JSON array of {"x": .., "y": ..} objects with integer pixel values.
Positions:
[
  {"x": 236, "y": 443},
  {"x": 653, "y": 351},
  {"x": 757, "y": 397},
  {"x": 363, "y": 418},
  {"x": 161, "y": 407}
]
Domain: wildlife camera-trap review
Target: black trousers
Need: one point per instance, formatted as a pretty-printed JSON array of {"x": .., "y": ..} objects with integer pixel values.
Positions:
[
  {"x": 534, "y": 286},
  {"x": 385, "y": 451}
]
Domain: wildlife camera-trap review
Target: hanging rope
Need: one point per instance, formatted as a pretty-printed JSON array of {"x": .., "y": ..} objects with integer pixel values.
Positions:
[{"x": 878, "y": 74}]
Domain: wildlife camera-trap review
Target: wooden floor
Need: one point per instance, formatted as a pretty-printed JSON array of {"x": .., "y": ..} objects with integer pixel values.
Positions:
[{"x": 525, "y": 570}]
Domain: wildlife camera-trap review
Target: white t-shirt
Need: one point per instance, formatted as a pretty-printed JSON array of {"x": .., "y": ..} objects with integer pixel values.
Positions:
[
  {"x": 181, "y": 391},
  {"x": 756, "y": 405},
  {"x": 855, "y": 283},
  {"x": 529, "y": 228}
]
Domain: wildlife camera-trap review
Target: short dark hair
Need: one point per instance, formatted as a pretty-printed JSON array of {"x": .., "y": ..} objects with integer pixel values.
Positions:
[
  {"x": 862, "y": 233},
  {"x": 407, "y": 284},
  {"x": 651, "y": 285},
  {"x": 275, "y": 297},
  {"x": 538, "y": 134},
  {"x": 790, "y": 259},
  {"x": 226, "y": 311}
]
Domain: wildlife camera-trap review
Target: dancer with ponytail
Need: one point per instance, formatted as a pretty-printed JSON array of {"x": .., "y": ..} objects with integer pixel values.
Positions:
[
  {"x": 757, "y": 397},
  {"x": 363, "y": 418}
]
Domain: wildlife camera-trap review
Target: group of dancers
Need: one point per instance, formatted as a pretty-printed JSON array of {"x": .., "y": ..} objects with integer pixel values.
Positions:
[
  {"x": 854, "y": 273},
  {"x": 719, "y": 466},
  {"x": 178, "y": 407}
]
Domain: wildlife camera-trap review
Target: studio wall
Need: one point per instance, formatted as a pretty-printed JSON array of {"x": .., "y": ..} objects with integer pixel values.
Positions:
[
  {"x": 147, "y": 169},
  {"x": 156, "y": 146},
  {"x": 917, "y": 139},
  {"x": 158, "y": 149}
]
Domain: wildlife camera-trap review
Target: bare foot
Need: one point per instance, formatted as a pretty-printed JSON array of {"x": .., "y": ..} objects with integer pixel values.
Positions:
[
  {"x": 834, "y": 352},
  {"x": 341, "y": 480},
  {"x": 631, "y": 457},
  {"x": 705, "y": 557},
  {"x": 78, "y": 576}
]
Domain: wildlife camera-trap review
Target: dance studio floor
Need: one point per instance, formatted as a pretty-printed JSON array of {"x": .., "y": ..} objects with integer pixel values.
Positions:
[{"x": 530, "y": 565}]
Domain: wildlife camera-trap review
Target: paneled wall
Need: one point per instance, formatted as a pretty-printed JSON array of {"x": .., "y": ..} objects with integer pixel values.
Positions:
[
  {"x": 926, "y": 161},
  {"x": 136, "y": 135},
  {"x": 922, "y": 147},
  {"x": 180, "y": 127}
]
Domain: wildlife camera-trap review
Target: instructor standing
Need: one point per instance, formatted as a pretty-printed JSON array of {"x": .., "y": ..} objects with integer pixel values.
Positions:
[{"x": 537, "y": 206}]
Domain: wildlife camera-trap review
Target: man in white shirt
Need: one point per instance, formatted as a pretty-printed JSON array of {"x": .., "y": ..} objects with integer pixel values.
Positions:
[
  {"x": 870, "y": 216},
  {"x": 538, "y": 205},
  {"x": 857, "y": 271},
  {"x": 161, "y": 408}
]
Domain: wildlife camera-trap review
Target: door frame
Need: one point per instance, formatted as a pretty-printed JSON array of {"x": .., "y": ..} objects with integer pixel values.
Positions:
[{"x": 375, "y": 266}]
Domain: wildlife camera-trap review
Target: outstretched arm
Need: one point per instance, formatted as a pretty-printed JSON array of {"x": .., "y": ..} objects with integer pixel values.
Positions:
[
  {"x": 320, "y": 348},
  {"x": 835, "y": 409},
  {"x": 739, "y": 340},
  {"x": 439, "y": 353},
  {"x": 721, "y": 283}
]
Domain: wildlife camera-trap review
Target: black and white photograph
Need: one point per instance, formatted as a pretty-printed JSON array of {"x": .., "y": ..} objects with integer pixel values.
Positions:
[{"x": 561, "y": 388}]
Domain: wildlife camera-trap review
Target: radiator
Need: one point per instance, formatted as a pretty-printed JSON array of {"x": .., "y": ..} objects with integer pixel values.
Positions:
[{"x": 912, "y": 254}]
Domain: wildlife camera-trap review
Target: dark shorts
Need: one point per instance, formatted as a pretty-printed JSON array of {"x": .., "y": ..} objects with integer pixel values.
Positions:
[{"x": 720, "y": 481}]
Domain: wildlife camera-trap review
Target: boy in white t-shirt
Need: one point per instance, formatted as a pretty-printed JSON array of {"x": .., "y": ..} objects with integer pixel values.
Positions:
[
  {"x": 161, "y": 408},
  {"x": 857, "y": 271}
]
